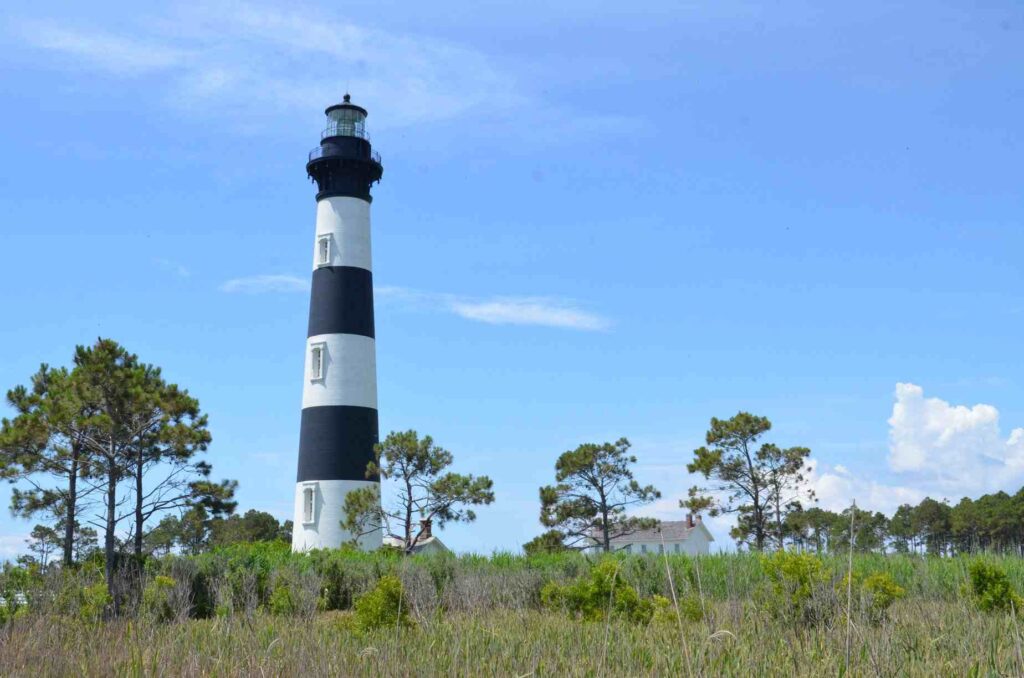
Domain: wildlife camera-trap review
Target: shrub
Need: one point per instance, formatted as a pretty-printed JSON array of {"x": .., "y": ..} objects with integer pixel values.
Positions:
[
  {"x": 156, "y": 598},
  {"x": 281, "y": 600},
  {"x": 294, "y": 591},
  {"x": 382, "y": 606},
  {"x": 93, "y": 602},
  {"x": 10, "y": 610},
  {"x": 690, "y": 608},
  {"x": 879, "y": 592},
  {"x": 600, "y": 593},
  {"x": 990, "y": 588},
  {"x": 797, "y": 587}
]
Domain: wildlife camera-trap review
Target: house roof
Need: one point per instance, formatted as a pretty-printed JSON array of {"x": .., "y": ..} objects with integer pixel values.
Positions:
[
  {"x": 669, "y": 530},
  {"x": 398, "y": 542}
]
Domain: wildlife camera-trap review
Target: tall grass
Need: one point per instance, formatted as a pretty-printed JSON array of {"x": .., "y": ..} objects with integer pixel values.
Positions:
[
  {"x": 241, "y": 579},
  {"x": 259, "y": 609},
  {"x": 924, "y": 638}
]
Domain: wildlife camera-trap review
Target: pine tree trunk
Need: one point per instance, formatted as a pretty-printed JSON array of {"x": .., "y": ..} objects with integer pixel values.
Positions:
[
  {"x": 69, "y": 512},
  {"x": 108, "y": 532},
  {"x": 138, "y": 503}
]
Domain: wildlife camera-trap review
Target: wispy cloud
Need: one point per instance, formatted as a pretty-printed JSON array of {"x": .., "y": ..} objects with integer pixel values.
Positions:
[
  {"x": 501, "y": 310},
  {"x": 260, "y": 284},
  {"x": 545, "y": 311},
  {"x": 248, "y": 64},
  {"x": 173, "y": 267},
  {"x": 253, "y": 61},
  {"x": 115, "y": 54}
]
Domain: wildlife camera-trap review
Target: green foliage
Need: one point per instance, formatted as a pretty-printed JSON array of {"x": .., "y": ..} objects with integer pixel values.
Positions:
[
  {"x": 926, "y": 638},
  {"x": 761, "y": 483},
  {"x": 797, "y": 587},
  {"x": 383, "y": 606},
  {"x": 601, "y": 593},
  {"x": 426, "y": 492},
  {"x": 552, "y": 541},
  {"x": 239, "y": 581},
  {"x": 873, "y": 594},
  {"x": 594, "y": 487},
  {"x": 990, "y": 588},
  {"x": 94, "y": 602},
  {"x": 156, "y": 598},
  {"x": 690, "y": 608},
  {"x": 880, "y": 592},
  {"x": 282, "y": 601},
  {"x": 251, "y": 527},
  {"x": 45, "y": 440},
  {"x": 10, "y": 610}
]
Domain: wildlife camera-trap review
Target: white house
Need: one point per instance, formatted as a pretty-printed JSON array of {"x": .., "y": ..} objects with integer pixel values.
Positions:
[
  {"x": 688, "y": 536},
  {"x": 427, "y": 543}
]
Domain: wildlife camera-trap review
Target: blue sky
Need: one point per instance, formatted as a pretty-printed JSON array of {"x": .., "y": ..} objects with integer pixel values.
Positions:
[{"x": 595, "y": 221}]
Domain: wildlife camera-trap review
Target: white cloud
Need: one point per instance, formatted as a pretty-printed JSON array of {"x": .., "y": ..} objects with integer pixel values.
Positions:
[
  {"x": 117, "y": 55},
  {"x": 936, "y": 449},
  {"x": 529, "y": 311},
  {"x": 259, "y": 284},
  {"x": 501, "y": 310},
  {"x": 537, "y": 311},
  {"x": 253, "y": 61},
  {"x": 954, "y": 446},
  {"x": 12, "y": 545},
  {"x": 836, "y": 487}
]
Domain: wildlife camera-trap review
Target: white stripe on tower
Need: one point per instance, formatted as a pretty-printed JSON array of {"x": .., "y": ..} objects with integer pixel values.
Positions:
[
  {"x": 339, "y": 395},
  {"x": 348, "y": 371},
  {"x": 346, "y": 222}
]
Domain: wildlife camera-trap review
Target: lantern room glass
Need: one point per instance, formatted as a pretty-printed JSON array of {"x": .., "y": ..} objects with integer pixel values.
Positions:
[{"x": 346, "y": 122}]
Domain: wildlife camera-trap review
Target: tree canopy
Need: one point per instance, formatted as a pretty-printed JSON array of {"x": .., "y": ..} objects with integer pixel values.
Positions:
[
  {"x": 594, "y": 487},
  {"x": 424, "y": 492},
  {"x": 110, "y": 428},
  {"x": 759, "y": 482}
]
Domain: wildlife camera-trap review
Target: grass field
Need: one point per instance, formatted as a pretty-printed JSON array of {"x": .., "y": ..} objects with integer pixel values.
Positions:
[
  {"x": 262, "y": 611},
  {"x": 922, "y": 639}
]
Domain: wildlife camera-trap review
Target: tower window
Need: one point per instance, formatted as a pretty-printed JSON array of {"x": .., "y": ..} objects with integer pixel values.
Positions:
[
  {"x": 309, "y": 504},
  {"x": 317, "y": 358},
  {"x": 323, "y": 250}
]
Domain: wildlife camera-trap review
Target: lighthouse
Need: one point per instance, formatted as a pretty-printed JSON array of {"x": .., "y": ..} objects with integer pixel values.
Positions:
[{"x": 339, "y": 386}]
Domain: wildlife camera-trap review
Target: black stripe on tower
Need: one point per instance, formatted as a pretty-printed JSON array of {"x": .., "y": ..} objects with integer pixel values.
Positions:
[
  {"x": 341, "y": 301},
  {"x": 336, "y": 442},
  {"x": 344, "y": 166}
]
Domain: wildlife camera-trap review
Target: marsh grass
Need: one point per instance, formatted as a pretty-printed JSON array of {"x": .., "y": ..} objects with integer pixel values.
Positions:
[
  {"x": 922, "y": 638},
  {"x": 260, "y": 610}
]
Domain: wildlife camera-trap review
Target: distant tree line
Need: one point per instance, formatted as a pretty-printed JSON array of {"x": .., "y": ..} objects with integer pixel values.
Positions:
[
  {"x": 191, "y": 533},
  {"x": 992, "y": 522}
]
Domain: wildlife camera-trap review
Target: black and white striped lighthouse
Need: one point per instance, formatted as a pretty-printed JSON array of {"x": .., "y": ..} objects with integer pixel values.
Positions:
[{"x": 339, "y": 394}]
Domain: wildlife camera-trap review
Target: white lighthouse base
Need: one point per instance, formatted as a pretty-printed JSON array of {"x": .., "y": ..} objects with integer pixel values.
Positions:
[{"x": 324, "y": 530}]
